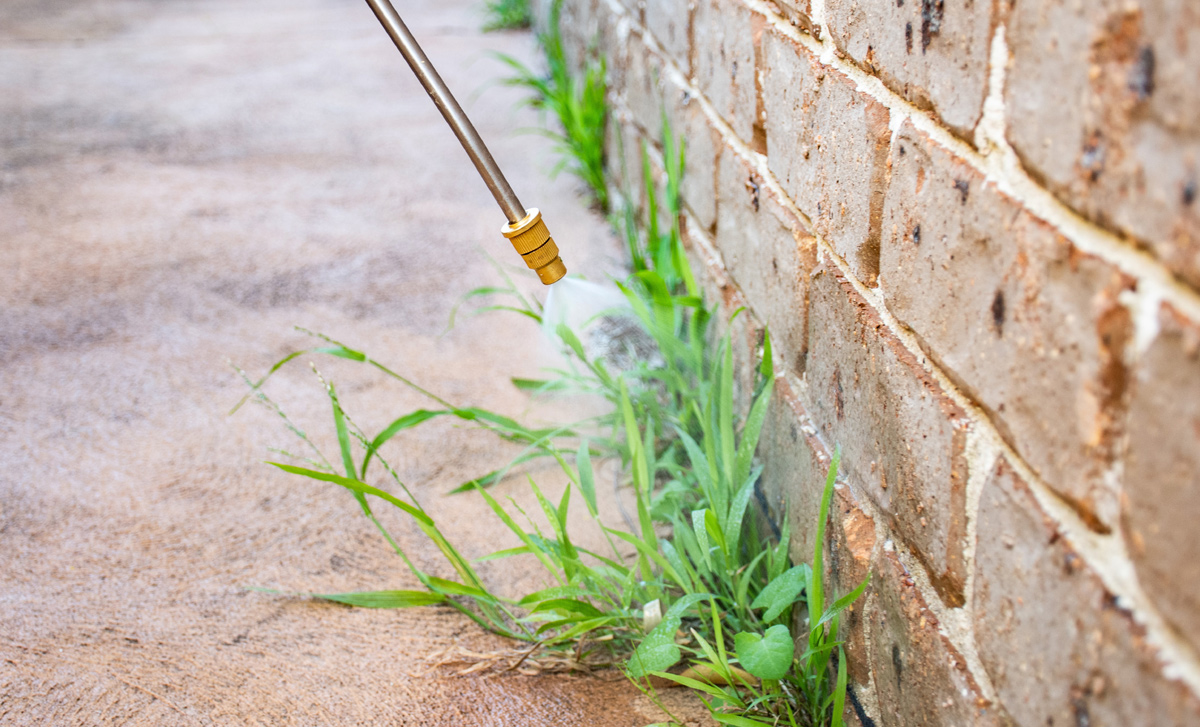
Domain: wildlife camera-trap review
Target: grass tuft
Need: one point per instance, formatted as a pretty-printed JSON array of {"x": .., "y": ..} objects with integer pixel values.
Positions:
[
  {"x": 577, "y": 103},
  {"x": 507, "y": 15},
  {"x": 697, "y": 557}
]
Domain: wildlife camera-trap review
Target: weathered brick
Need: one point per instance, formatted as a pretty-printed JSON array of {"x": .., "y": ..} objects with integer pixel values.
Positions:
[
  {"x": 795, "y": 464},
  {"x": 848, "y": 554},
  {"x": 670, "y": 22},
  {"x": 799, "y": 14},
  {"x": 767, "y": 253},
  {"x": 932, "y": 52},
  {"x": 1162, "y": 472},
  {"x": 580, "y": 27},
  {"x": 643, "y": 88},
  {"x": 1055, "y": 644},
  {"x": 613, "y": 44},
  {"x": 744, "y": 331},
  {"x": 540, "y": 10},
  {"x": 1030, "y": 326},
  {"x": 827, "y": 144},
  {"x": 1103, "y": 105},
  {"x": 701, "y": 147},
  {"x": 725, "y": 42},
  {"x": 623, "y": 157},
  {"x": 902, "y": 438},
  {"x": 920, "y": 678}
]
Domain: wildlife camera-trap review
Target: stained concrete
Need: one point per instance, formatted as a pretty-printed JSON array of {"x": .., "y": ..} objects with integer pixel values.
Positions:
[{"x": 180, "y": 184}]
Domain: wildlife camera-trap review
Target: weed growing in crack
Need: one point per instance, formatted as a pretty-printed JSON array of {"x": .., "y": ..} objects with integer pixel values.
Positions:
[
  {"x": 578, "y": 104},
  {"x": 708, "y": 599},
  {"x": 507, "y": 15}
]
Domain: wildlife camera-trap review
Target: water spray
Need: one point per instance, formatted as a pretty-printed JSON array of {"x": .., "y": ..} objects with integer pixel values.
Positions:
[{"x": 525, "y": 229}]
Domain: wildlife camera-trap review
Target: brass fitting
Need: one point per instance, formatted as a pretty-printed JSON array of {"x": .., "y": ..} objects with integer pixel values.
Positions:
[{"x": 533, "y": 242}]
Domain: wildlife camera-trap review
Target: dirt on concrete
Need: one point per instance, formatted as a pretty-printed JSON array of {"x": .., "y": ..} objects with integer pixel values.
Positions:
[{"x": 180, "y": 184}]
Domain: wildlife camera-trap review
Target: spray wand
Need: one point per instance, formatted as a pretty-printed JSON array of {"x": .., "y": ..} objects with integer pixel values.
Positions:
[{"x": 525, "y": 229}]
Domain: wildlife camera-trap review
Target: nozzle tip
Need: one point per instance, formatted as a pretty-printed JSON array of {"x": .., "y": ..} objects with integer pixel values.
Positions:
[{"x": 552, "y": 271}]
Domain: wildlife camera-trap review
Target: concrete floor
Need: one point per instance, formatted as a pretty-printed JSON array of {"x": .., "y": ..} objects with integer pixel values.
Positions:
[{"x": 180, "y": 184}]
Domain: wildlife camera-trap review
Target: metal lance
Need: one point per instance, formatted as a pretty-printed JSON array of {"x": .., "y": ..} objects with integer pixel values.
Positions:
[{"x": 525, "y": 229}]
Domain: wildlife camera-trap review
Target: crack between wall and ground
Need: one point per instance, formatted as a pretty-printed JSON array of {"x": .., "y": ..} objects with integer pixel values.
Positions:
[{"x": 1105, "y": 554}]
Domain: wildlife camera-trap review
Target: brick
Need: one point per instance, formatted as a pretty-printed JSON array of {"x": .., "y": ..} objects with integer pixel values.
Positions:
[
  {"x": 670, "y": 22},
  {"x": 1162, "y": 473},
  {"x": 768, "y": 255},
  {"x": 643, "y": 88},
  {"x": 745, "y": 332},
  {"x": 613, "y": 43},
  {"x": 623, "y": 157},
  {"x": 848, "y": 557},
  {"x": 827, "y": 144},
  {"x": 580, "y": 27},
  {"x": 725, "y": 41},
  {"x": 799, "y": 14},
  {"x": 795, "y": 463},
  {"x": 1055, "y": 644},
  {"x": 1103, "y": 99},
  {"x": 920, "y": 678},
  {"x": 540, "y": 10},
  {"x": 1027, "y": 324},
  {"x": 902, "y": 438},
  {"x": 701, "y": 147},
  {"x": 932, "y": 52}
]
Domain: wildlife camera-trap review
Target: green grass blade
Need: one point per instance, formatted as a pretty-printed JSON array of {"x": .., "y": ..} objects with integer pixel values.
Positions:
[
  {"x": 408, "y": 421},
  {"x": 384, "y": 599},
  {"x": 816, "y": 596},
  {"x": 587, "y": 479},
  {"x": 343, "y": 437},
  {"x": 839, "y": 691},
  {"x": 751, "y": 432}
]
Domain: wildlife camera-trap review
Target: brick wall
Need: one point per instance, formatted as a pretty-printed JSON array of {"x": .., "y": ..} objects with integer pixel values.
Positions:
[{"x": 972, "y": 228}]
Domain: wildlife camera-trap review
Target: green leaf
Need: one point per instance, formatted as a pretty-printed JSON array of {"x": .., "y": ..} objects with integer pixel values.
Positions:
[
  {"x": 357, "y": 487},
  {"x": 842, "y": 603},
  {"x": 650, "y": 552},
  {"x": 782, "y": 591},
  {"x": 343, "y": 436},
  {"x": 443, "y": 586},
  {"x": 766, "y": 367},
  {"x": 506, "y": 553},
  {"x": 751, "y": 432},
  {"x": 739, "y": 721},
  {"x": 714, "y": 529},
  {"x": 384, "y": 599},
  {"x": 658, "y": 651},
  {"x": 690, "y": 683},
  {"x": 839, "y": 691},
  {"x": 816, "y": 595},
  {"x": 581, "y": 628},
  {"x": 407, "y": 421},
  {"x": 725, "y": 413},
  {"x": 766, "y": 656},
  {"x": 587, "y": 479},
  {"x": 569, "y": 605},
  {"x": 737, "y": 511},
  {"x": 747, "y": 577},
  {"x": 698, "y": 520},
  {"x": 537, "y": 385},
  {"x": 553, "y": 592}
]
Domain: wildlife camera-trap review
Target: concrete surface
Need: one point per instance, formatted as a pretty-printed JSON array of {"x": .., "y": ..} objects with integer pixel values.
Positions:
[{"x": 180, "y": 184}]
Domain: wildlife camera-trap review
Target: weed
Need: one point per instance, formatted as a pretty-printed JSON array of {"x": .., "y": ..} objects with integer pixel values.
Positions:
[
  {"x": 689, "y": 460},
  {"x": 507, "y": 15},
  {"x": 577, "y": 103}
]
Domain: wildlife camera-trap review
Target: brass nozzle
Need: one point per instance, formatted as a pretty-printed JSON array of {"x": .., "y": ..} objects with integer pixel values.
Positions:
[{"x": 532, "y": 240}]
